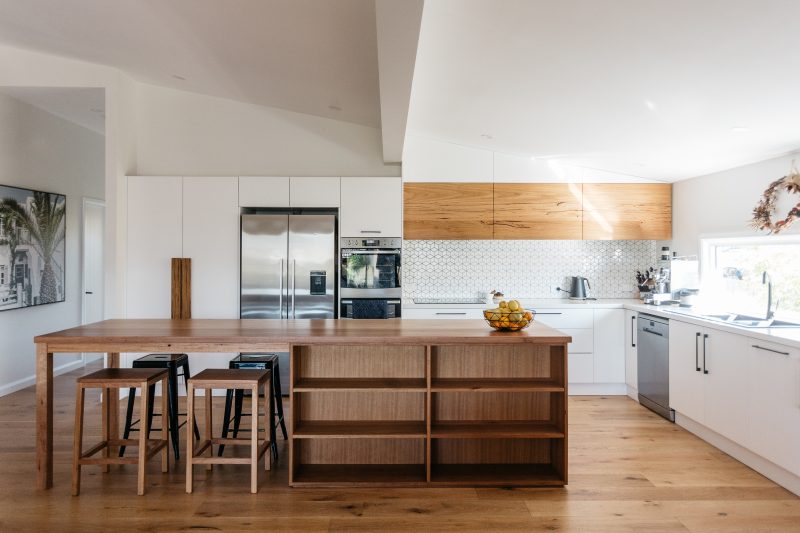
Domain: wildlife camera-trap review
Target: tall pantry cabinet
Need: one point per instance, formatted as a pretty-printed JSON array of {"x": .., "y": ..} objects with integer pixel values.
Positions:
[{"x": 194, "y": 217}]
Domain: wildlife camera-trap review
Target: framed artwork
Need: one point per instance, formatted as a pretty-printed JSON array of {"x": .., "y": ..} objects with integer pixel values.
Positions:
[{"x": 32, "y": 247}]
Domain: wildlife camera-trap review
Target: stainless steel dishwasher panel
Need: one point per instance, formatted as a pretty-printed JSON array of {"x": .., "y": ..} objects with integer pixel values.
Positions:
[{"x": 653, "y": 364}]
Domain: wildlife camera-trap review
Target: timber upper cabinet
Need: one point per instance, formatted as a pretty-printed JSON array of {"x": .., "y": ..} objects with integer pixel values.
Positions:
[
  {"x": 596, "y": 211},
  {"x": 622, "y": 211},
  {"x": 448, "y": 211},
  {"x": 537, "y": 211}
]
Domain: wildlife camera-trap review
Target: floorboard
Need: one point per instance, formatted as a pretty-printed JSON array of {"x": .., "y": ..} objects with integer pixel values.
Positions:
[{"x": 630, "y": 471}]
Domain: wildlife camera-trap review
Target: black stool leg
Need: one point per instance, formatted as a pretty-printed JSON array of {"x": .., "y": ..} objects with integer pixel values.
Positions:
[
  {"x": 273, "y": 434},
  {"x": 237, "y": 410},
  {"x": 276, "y": 386},
  {"x": 226, "y": 419},
  {"x": 172, "y": 407},
  {"x": 128, "y": 419},
  {"x": 186, "y": 375}
]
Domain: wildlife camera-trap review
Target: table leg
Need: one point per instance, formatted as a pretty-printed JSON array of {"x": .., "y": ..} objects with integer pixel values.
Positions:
[
  {"x": 112, "y": 397},
  {"x": 44, "y": 417}
]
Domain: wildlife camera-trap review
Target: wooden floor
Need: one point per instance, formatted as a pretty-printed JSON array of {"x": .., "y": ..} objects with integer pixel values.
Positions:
[{"x": 629, "y": 471}]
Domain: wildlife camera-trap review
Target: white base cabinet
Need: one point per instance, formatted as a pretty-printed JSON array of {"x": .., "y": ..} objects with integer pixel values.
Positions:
[
  {"x": 631, "y": 355},
  {"x": 742, "y": 388}
]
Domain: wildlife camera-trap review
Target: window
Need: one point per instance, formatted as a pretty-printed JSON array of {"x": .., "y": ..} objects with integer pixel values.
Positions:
[{"x": 733, "y": 274}]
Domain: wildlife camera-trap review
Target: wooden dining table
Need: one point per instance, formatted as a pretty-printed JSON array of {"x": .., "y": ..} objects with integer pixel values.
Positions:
[{"x": 198, "y": 336}]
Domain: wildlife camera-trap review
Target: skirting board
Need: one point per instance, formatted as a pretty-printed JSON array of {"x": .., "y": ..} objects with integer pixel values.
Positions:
[
  {"x": 597, "y": 389},
  {"x": 633, "y": 393},
  {"x": 764, "y": 467},
  {"x": 31, "y": 380}
]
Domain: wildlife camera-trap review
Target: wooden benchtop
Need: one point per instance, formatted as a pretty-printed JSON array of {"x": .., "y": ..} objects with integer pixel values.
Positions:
[{"x": 302, "y": 332}]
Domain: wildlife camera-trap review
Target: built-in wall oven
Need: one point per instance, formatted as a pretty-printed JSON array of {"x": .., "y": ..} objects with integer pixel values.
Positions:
[{"x": 370, "y": 272}]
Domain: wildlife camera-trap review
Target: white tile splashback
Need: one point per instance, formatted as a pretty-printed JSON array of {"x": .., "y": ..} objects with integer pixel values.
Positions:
[{"x": 522, "y": 269}]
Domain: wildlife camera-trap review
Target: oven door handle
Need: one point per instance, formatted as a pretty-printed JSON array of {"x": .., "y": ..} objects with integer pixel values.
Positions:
[{"x": 367, "y": 251}]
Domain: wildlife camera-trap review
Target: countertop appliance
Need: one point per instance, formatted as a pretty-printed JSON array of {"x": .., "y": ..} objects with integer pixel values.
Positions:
[
  {"x": 653, "y": 364},
  {"x": 288, "y": 267},
  {"x": 579, "y": 288},
  {"x": 370, "y": 271}
]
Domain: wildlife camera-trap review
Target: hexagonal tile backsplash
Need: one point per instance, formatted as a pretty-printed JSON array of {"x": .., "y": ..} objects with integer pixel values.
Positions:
[{"x": 522, "y": 269}]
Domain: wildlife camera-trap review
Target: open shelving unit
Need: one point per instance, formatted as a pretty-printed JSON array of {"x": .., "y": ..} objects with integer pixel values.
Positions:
[{"x": 410, "y": 415}]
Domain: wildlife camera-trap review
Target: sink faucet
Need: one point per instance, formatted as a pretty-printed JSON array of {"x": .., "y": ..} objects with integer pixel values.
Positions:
[{"x": 767, "y": 280}]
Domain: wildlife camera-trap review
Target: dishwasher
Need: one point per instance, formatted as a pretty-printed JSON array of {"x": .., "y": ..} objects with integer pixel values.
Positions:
[{"x": 653, "y": 364}]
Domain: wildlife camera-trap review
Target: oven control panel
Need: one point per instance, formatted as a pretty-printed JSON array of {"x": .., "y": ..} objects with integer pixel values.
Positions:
[{"x": 389, "y": 242}]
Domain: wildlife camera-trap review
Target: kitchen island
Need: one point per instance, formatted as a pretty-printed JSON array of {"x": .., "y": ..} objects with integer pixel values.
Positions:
[{"x": 373, "y": 402}]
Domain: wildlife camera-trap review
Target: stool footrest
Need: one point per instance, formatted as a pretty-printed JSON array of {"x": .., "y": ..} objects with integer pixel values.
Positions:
[{"x": 153, "y": 447}]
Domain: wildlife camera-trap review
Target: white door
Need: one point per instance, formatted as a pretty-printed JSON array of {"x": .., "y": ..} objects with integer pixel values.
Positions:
[
  {"x": 371, "y": 207},
  {"x": 726, "y": 382},
  {"x": 314, "y": 192},
  {"x": 94, "y": 212},
  {"x": 686, "y": 378}
]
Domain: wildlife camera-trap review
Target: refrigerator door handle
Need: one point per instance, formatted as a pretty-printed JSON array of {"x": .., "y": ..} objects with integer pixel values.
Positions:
[
  {"x": 294, "y": 282},
  {"x": 280, "y": 292}
]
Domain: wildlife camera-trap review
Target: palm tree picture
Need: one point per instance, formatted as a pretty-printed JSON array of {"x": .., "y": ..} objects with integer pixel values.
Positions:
[{"x": 32, "y": 247}]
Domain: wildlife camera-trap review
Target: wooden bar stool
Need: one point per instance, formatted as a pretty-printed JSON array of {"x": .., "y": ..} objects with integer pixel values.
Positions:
[
  {"x": 211, "y": 379},
  {"x": 119, "y": 378}
]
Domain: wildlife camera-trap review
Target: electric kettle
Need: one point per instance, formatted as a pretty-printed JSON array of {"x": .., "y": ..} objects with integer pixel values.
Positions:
[{"x": 579, "y": 290}]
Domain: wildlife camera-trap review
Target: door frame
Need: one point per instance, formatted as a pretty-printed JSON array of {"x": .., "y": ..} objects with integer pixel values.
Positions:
[{"x": 84, "y": 202}]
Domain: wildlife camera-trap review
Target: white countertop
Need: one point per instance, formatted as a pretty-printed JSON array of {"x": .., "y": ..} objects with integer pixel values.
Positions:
[{"x": 784, "y": 336}]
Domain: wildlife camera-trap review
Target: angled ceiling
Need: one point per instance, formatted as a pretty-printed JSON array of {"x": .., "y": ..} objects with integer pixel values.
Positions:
[
  {"x": 310, "y": 56},
  {"x": 81, "y": 105},
  {"x": 662, "y": 90}
]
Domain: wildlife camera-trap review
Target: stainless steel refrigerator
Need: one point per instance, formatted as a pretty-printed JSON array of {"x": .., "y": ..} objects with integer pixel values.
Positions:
[{"x": 288, "y": 262}]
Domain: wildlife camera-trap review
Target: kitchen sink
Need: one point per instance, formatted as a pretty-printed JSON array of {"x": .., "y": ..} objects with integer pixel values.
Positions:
[{"x": 751, "y": 322}]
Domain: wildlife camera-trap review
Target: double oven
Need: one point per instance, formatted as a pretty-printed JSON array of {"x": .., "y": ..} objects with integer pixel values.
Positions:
[{"x": 370, "y": 271}]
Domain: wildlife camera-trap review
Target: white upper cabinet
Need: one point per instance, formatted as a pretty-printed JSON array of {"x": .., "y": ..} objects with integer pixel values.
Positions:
[
  {"x": 609, "y": 346},
  {"x": 314, "y": 192},
  {"x": 211, "y": 240},
  {"x": 371, "y": 207},
  {"x": 154, "y": 238},
  {"x": 256, "y": 191}
]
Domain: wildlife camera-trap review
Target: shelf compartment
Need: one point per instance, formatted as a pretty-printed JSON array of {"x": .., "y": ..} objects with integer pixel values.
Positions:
[
  {"x": 470, "y": 474},
  {"x": 544, "y": 384},
  {"x": 361, "y": 384},
  {"x": 379, "y": 475},
  {"x": 496, "y": 430},
  {"x": 350, "y": 429}
]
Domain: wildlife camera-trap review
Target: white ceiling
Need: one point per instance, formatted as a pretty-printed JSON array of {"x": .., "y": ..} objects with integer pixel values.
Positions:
[
  {"x": 312, "y": 56},
  {"x": 82, "y": 106},
  {"x": 641, "y": 87}
]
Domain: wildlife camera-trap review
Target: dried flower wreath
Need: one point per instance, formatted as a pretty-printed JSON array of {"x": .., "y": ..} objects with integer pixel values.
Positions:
[{"x": 762, "y": 213}]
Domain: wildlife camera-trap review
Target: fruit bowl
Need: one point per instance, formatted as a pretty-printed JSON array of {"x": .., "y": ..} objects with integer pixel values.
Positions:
[{"x": 508, "y": 317}]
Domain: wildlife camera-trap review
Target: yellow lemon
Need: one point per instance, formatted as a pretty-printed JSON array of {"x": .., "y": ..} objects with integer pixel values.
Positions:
[
  {"x": 503, "y": 304},
  {"x": 515, "y": 317},
  {"x": 514, "y": 305}
]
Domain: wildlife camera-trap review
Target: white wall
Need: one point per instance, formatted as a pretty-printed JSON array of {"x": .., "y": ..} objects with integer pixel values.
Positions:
[
  {"x": 41, "y": 151},
  {"x": 186, "y": 134},
  {"x": 722, "y": 203}
]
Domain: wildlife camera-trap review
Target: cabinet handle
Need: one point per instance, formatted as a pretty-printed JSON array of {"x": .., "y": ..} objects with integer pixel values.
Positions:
[
  {"x": 633, "y": 330},
  {"x": 451, "y": 313},
  {"x": 705, "y": 337},
  {"x": 769, "y": 349},
  {"x": 370, "y": 231},
  {"x": 697, "y": 352},
  {"x": 549, "y": 313},
  {"x": 653, "y": 332},
  {"x": 88, "y": 292}
]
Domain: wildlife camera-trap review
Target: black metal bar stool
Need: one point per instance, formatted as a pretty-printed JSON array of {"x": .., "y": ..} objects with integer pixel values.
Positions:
[
  {"x": 259, "y": 361},
  {"x": 171, "y": 362}
]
